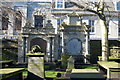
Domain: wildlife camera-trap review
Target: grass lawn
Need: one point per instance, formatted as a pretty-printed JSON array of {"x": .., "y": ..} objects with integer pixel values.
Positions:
[
  {"x": 87, "y": 67},
  {"x": 52, "y": 74},
  {"x": 25, "y": 73}
]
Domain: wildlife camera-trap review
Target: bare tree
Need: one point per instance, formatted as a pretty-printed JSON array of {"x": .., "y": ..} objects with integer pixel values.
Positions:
[
  {"x": 97, "y": 8},
  {"x": 6, "y": 8}
]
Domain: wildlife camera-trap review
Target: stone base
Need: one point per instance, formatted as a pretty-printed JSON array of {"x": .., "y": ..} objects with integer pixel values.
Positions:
[{"x": 86, "y": 74}]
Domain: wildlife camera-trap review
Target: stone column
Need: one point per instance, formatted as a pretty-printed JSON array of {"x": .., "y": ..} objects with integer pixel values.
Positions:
[
  {"x": 11, "y": 25},
  {"x": 0, "y": 20},
  {"x": 87, "y": 55},
  {"x": 51, "y": 48},
  {"x": 0, "y": 39},
  {"x": 56, "y": 47},
  {"x": 87, "y": 43},
  {"x": 59, "y": 47},
  {"x": 23, "y": 22},
  {"x": 47, "y": 50},
  {"x": 62, "y": 44},
  {"x": 27, "y": 48},
  {"x": 24, "y": 49},
  {"x": 0, "y": 55},
  {"x": 20, "y": 49}
]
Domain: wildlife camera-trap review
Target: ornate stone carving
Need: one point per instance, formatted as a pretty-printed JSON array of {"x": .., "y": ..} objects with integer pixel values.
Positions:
[{"x": 35, "y": 49}]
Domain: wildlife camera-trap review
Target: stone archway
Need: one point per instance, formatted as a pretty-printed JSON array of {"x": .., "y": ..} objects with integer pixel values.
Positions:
[{"x": 39, "y": 41}]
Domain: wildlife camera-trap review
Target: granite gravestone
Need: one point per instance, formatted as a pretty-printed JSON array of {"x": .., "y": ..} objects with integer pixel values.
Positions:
[{"x": 36, "y": 64}]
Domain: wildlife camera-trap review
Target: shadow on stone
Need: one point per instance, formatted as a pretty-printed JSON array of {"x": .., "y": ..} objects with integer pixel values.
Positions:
[{"x": 32, "y": 76}]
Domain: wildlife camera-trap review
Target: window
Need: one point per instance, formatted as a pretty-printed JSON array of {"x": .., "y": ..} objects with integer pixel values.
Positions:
[
  {"x": 119, "y": 26},
  {"x": 91, "y": 22},
  {"x": 59, "y": 3},
  {"x": 118, "y": 5},
  {"x": 69, "y": 5},
  {"x": 59, "y": 21},
  {"x": 38, "y": 20},
  {"x": 18, "y": 20},
  {"x": 5, "y": 20}
]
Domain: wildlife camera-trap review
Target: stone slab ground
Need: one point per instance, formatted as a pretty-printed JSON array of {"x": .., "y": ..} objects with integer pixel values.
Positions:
[
  {"x": 86, "y": 74},
  {"x": 112, "y": 67}
]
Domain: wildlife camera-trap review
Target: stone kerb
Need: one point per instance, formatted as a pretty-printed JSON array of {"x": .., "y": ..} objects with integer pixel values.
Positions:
[{"x": 36, "y": 66}]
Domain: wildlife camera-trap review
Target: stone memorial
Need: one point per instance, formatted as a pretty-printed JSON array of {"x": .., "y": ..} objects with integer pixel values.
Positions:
[
  {"x": 71, "y": 63},
  {"x": 49, "y": 24},
  {"x": 36, "y": 64}
]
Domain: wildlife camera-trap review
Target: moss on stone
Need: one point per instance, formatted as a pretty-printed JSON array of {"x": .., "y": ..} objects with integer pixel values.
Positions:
[
  {"x": 110, "y": 58},
  {"x": 65, "y": 60},
  {"x": 8, "y": 72},
  {"x": 6, "y": 61},
  {"x": 109, "y": 64},
  {"x": 52, "y": 74}
]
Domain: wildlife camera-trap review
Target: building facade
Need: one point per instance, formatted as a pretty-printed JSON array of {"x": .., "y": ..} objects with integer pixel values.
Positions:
[{"x": 39, "y": 22}]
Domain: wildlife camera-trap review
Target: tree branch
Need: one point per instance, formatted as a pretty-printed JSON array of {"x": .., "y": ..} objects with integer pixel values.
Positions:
[{"x": 82, "y": 7}]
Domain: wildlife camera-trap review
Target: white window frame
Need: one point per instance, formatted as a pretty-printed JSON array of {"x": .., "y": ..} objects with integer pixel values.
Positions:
[
  {"x": 61, "y": 21},
  {"x": 116, "y": 6},
  {"x": 63, "y": 4},
  {"x": 119, "y": 27},
  {"x": 92, "y": 24},
  {"x": 42, "y": 24}
]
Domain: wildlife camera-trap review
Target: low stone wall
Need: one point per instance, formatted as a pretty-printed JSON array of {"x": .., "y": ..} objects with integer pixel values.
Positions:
[{"x": 11, "y": 73}]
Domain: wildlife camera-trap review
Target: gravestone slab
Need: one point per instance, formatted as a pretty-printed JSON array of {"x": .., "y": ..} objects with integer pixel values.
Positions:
[
  {"x": 36, "y": 66},
  {"x": 71, "y": 63}
]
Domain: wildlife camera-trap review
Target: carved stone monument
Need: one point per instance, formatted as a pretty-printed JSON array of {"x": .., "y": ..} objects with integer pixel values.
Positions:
[
  {"x": 36, "y": 64},
  {"x": 71, "y": 63},
  {"x": 49, "y": 24}
]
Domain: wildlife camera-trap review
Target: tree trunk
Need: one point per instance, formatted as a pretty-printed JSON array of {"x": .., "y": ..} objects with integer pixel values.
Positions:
[{"x": 104, "y": 40}]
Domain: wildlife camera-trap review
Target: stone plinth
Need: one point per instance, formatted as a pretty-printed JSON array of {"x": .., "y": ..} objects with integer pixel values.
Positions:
[{"x": 36, "y": 66}]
